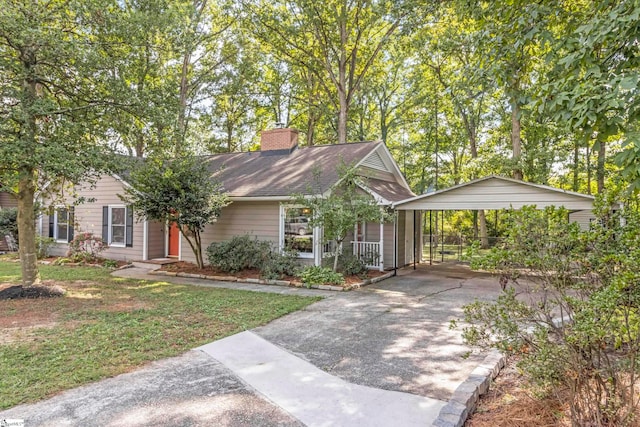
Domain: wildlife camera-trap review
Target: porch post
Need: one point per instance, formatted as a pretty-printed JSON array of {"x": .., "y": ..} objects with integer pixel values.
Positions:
[
  {"x": 145, "y": 241},
  {"x": 381, "y": 242}
]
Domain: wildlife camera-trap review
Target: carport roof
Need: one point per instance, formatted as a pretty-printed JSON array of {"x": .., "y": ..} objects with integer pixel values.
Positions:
[{"x": 496, "y": 192}]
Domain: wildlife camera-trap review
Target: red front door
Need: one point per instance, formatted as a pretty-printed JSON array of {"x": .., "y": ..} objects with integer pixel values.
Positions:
[{"x": 174, "y": 240}]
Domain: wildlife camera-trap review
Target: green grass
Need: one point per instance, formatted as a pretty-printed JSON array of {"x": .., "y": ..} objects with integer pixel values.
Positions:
[{"x": 108, "y": 326}]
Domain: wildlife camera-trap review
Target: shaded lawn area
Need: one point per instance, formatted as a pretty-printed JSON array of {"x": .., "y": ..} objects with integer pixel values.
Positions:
[{"x": 106, "y": 326}]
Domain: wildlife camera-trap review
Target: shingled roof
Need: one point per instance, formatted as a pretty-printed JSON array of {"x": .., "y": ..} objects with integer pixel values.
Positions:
[{"x": 281, "y": 174}]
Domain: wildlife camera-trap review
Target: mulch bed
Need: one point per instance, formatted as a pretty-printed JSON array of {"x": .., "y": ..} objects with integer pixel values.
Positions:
[
  {"x": 190, "y": 268},
  {"x": 511, "y": 403},
  {"x": 35, "y": 291}
]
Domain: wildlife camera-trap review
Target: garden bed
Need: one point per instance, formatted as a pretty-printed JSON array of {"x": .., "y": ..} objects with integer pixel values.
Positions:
[
  {"x": 187, "y": 269},
  {"x": 511, "y": 403}
]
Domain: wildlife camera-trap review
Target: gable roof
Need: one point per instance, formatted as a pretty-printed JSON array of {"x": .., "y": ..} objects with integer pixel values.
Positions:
[
  {"x": 279, "y": 175},
  {"x": 497, "y": 192}
]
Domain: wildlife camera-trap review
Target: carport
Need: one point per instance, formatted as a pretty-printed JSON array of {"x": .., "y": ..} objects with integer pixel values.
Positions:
[{"x": 497, "y": 192}]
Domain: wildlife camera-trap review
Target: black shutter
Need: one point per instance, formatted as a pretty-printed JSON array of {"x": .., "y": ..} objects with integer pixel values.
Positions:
[
  {"x": 51, "y": 218},
  {"x": 105, "y": 224},
  {"x": 129, "y": 227},
  {"x": 71, "y": 219}
]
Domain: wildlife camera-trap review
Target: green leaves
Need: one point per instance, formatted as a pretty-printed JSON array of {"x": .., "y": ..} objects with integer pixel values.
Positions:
[{"x": 180, "y": 190}]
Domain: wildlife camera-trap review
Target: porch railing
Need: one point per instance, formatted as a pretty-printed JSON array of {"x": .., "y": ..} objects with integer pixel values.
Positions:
[{"x": 369, "y": 252}]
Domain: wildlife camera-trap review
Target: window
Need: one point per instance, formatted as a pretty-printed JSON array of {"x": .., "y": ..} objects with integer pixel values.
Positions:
[
  {"x": 117, "y": 225},
  {"x": 297, "y": 234},
  {"x": 61, "y": 224}
]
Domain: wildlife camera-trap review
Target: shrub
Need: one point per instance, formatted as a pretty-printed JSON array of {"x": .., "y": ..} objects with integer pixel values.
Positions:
[
  {"x": 9, "y": 223},
  {"x": 110, "y": 263},
  {"x": 314, "y": 275},
  {"x": 348, "y": 264},
  {"x": 277, "y": 265},
  {"x": 239, "y": 253},
  {"x": 351, "y": 265},
  {"x": 43, "y": 244},
  {"x": 85, "y": 247},
  {"x": 574, "y": 319}
]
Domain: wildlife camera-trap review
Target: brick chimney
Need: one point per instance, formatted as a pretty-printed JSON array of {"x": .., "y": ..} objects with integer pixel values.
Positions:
[{"x": 280, "y": 140}]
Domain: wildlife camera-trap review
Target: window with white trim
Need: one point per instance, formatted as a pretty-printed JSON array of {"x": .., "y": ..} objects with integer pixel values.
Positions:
[
  {"x": 117, "y": 225},
  {"x": 61, "y": 225},
  {"x": 295, "y": 231}
]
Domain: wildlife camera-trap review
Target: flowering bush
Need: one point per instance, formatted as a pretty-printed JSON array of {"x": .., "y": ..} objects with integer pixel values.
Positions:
[{"x": 86, "y": 247}]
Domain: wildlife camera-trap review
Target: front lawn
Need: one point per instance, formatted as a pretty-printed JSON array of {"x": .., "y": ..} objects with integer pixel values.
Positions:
[{"x": 106, "y": 326}]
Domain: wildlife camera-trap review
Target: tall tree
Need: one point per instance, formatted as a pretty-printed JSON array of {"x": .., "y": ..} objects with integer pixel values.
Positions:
[
  {"x": 48, "y": 131},
  {"x": 336, "y": 41}
]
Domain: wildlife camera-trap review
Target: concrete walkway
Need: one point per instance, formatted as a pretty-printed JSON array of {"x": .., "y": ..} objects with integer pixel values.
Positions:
[{"x": 313, "y": 396}]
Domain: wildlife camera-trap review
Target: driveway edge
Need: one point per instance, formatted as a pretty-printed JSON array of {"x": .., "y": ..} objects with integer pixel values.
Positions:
[{"x": 465, "y": 398}]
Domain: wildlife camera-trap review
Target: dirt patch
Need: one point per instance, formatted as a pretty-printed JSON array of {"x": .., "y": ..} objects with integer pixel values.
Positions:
[
  {"x": 187, "y": 267},
  {"x": 34, "y": 291}
]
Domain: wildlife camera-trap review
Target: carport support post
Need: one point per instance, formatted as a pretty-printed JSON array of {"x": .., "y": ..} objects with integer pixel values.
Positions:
[
  {"x": 430, "y": 239},
  {"x": 414, "y": 240},
  {"x": 442, "y": 241}
]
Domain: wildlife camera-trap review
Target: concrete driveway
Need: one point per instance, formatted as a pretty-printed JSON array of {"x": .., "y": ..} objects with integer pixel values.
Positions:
[
  {"x": 394, "y": 335},
  {"x": 388, "y": 343}
]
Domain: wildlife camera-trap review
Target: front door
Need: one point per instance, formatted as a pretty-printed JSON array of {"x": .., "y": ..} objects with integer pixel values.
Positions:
[{"x": 174, "y": 240}]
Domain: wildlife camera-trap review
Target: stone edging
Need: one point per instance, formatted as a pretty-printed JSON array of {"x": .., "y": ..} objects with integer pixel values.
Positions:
[
  {"x": 271, "y": 282},
  {"x": 465, "y": 398}
]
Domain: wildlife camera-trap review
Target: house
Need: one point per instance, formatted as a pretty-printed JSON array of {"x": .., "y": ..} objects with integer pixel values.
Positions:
[{"x": 260, "y": 185}]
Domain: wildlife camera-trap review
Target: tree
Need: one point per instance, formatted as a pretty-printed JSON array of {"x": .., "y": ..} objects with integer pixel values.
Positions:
[
  {"x": 48, "y": 127},
  {"x": 342, "y": 209},
  {"x": 573, "y": 319},
  {"x": 336, "y": 41},
  {"x": 595, "y": 79},
  {"x": 180, "y": 191}
]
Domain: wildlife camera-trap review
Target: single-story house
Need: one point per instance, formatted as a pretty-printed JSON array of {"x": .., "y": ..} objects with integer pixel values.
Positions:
[{"x": 260, "y": 185}]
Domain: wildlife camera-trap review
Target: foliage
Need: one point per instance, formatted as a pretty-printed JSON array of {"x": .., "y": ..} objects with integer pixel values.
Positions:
[
  {"x": 109, "y": 263},
  {"x": 571, "y": 308},
  {"x": 108, "y": 326},
  {"x": 345, "y": 206},
  {"x": 181, "y": 191},
  {"x": 43, "y": 244},
  {"x": 277, "y": 265},
  {"x": 351, "y": 265},
  {"x": 9, "y": 223},
  {"x": 315, "y": 275},
  {"x": 239, "y": 253},
  {"x": 50, "y": 120},
  {"x": 85, "y": 247}
]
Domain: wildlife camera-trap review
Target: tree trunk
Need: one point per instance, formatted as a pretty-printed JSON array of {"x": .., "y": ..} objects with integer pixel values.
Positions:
[
  {"x": 182, "y": 106},
  {"x": 576, "y": 166},
  {"x": 27, "y": 229},
  {"x": 342, "y": 115},
  {"x": 337, "y": 255},
  {"x": 484, "y": 239},
  {"x": 343, "y": 101},
  {"x": 600, "y": 171},
  {"x": 516, "y": 140},
  {"x": 482, "y": 218}
]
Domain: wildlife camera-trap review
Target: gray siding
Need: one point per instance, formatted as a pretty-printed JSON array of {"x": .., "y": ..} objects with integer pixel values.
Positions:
[
  {"x": 156, "y": 239},
  {"x": 7, "y": 201},
  {"x": 401, "y": 240},
  {"x": 88, "y": 218},
  {"x": 498, "y": 194},
  {"x": 259, "y": 219},
  {"x": 583, "y": 218}
]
